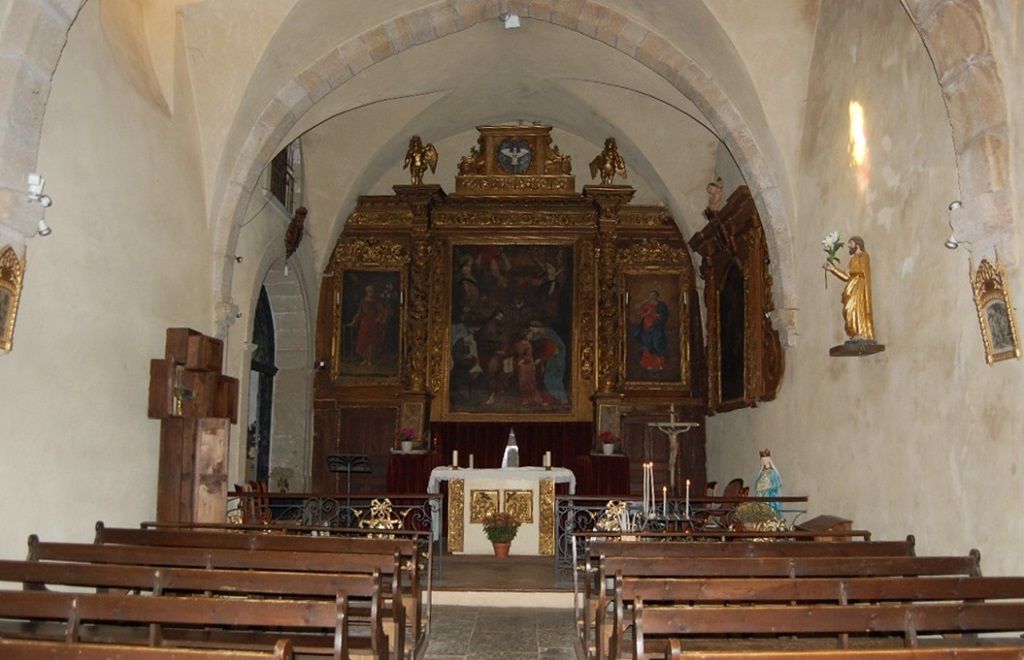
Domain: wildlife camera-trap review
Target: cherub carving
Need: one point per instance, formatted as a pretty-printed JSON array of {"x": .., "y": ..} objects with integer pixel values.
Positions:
[
  {"x": 418, "y": 158},
  {"x": 473, "y": 163},
  {"x": 608, "y": 163}
]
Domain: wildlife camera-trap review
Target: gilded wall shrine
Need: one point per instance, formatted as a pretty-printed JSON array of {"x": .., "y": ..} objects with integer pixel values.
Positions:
[{"x": 512, "y": 300}]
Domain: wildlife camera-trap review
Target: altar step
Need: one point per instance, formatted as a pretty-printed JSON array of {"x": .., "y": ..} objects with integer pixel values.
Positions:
[
  {"x": 488, "y": 581},
  {"x": 503, "y": 598}
]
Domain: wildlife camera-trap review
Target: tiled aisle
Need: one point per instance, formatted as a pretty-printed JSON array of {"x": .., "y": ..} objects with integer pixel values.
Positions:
[{"x": 505, "y": 633}]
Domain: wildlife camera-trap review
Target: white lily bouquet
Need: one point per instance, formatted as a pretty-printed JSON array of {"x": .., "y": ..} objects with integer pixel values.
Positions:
[{"x": 831, "y": 245}]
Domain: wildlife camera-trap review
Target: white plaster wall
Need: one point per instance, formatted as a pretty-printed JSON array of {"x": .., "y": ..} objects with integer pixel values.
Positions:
[
  {"x": 128, "y": 258},
  {"x": 923, "y": 438}
]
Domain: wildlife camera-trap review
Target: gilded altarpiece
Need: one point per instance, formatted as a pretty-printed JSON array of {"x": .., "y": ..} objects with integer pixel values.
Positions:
[{"x": 513, "y": 286}]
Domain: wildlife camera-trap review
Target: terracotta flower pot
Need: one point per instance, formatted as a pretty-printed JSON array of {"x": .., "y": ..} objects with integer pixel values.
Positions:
[{"x": 501, "y": 549}]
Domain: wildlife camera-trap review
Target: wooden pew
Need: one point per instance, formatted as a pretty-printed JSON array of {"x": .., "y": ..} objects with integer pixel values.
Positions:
[
  {"x": 23, "y": 649},
  {"x": 359, "y": 588},
  {"x": 410, "y": 561},
  {"x": 986, "y": 653},
  {"x": 910, "y": 620},
  {"x": 594, "y": 605},
  {"x": 181, "y": 620},
  {"x": 257, "y": 560},
  {"x": 764, "y": 567},
  {"x": 780, "y": 591}
]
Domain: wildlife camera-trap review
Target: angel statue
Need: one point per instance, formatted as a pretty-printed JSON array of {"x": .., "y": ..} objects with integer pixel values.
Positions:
[
  {"x": 608, "y": 163},
  {"x": 418, "y": 158}
]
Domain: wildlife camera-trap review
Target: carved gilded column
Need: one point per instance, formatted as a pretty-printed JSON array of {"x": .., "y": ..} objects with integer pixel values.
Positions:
[
  {"x": 420, "y": 200},
  {"x": 608, "y": 200}
]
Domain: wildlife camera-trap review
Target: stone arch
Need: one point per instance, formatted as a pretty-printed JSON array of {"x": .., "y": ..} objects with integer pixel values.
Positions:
[
  {"x": 32, "y": 38},
  {"x": 956, "y": 36},
  {"x": 588, "y": 17},
  {"x": 291, "y": 429}
]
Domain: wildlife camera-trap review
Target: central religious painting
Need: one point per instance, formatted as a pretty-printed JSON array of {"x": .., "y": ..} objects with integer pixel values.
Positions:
[{"x": 511, "y": 329}]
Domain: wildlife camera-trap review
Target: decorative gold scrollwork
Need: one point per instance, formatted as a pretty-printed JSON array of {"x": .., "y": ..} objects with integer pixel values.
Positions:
[
  {"x": 381, "y": 518},
  {"x": 456, "y": 511},
  {"x": 546, "y": 518},
  {"x": 370, "y": 252},
  {"x": 611, "y": 519}
]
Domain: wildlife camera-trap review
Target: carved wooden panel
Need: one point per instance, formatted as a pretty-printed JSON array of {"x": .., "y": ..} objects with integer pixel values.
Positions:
[{"x": 744, "y": 354}]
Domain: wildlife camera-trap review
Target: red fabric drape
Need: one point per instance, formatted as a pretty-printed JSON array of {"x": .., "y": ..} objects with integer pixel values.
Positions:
[{"x": 569, "y": 443}]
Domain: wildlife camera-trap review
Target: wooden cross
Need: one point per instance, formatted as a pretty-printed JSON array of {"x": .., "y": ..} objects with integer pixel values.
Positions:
[{"x": 196, "y": 404}]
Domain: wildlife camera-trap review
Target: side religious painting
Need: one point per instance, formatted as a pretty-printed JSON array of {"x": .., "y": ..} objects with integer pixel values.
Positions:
[
  {"x": 511, "y": 330},
  {"x": 371, "y": 320},
  {"x": 655, "y": 349}
]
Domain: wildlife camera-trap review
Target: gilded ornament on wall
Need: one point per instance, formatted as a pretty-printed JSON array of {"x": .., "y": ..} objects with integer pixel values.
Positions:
[
  {"x": 608, "y": 163},
  {"x": 995, "y": 312},
  {"x": 12, "y": 273}
]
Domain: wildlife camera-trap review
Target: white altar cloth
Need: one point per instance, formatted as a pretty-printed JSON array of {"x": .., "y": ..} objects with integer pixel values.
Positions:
[{"x": 523, "y": 478}]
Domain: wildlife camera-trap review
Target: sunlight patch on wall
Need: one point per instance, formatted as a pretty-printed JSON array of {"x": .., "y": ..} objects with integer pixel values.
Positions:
[{"x": 858, "y": 146}]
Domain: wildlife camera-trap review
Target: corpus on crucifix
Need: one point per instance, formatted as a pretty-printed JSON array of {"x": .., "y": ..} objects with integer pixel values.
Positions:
[{"x": 673, "y": 430}]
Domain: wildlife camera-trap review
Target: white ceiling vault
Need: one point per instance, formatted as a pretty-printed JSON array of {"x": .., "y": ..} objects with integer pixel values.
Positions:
[{"x": 355, "y": 80}]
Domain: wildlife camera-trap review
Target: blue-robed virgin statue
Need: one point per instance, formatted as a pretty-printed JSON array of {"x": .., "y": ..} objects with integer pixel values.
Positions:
[{"x": 768, "y": 482}]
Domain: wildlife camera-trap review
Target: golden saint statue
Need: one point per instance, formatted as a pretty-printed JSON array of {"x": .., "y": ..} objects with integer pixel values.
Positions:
[
  {"x": 857, "y": 294},
  {"x": 608, "y": 163},
  {"x": 418, "y": 158}
]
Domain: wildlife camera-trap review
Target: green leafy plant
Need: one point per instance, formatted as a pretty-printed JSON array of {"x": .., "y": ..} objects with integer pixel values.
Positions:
[{"x": 501, "y": 527}]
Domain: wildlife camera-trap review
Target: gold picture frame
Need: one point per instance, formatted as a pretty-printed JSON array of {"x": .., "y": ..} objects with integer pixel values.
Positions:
[
  {"x": 655, "y": 279},
  {"x": 995, "y": 311},
  {"x": 12, "y": 274},
  {"x": 361, "y": 266}
]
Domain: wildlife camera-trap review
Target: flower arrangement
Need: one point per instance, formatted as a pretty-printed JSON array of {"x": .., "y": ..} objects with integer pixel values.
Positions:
[
  {"x": 501, "y": 527},
  {"x": 406, "y": 434},
  {"x": 608, "y": 438}
]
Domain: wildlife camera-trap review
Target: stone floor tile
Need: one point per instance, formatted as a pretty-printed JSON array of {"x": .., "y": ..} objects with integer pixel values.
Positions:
[{"x": 511, "y": 640}]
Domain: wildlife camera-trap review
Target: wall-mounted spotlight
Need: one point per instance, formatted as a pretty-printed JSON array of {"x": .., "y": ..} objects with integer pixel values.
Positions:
[
  {"x": 510, "y": 19},
  {"x": 952, "y": 243},
  {"x": 42, "y": 228},
  {"x": 35, "y": 192},
  {"x": 238, "y": 259}
]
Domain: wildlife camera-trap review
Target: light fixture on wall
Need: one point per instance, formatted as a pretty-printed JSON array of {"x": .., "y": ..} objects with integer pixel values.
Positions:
[
  {"x": 35, "y": 192},
  {"x": 510, "y": 19},
  {"x": 952, "y": 243},
  {"x": 42, "y": 228}
]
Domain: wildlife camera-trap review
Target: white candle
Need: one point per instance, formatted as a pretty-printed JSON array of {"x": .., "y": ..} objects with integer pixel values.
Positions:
[
  {"x": 687, "y": 499},
  {"x": 664, "y": 501},
  {"x": 547, "y": 459},
  {"x": 455, "y": 458},
  {"x": 645, "y": 490},
  {"x": 471, "y": 461}
]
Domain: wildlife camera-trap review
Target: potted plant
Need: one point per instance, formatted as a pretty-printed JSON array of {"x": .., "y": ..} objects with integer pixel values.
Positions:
[
  {"x": 501, "y": 527},
  {"x": 608, "y": 442},
  {"x": 406, "y": 437}
]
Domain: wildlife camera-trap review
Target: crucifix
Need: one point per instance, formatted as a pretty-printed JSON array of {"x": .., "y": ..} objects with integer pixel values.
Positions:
[{"x": 673, "y": 430}]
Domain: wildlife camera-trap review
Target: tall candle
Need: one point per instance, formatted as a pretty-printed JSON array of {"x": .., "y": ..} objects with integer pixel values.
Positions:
[
  {"x": 664, "y": 501},
  {"x": 455, "y": 458},
  {"x": 471, "y": 461},
  {"x": 687, "y": 499},
  {"x": 645, "y": 490}
]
